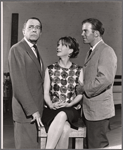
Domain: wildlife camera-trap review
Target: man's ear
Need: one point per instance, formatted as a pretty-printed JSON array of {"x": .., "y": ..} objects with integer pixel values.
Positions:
[
  {"x": 96, "y": 33},
  {"x": 23, "y": 31}
]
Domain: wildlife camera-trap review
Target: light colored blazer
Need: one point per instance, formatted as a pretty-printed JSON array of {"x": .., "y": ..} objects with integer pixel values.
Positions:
[
  {"x": 99, "y": 73},
  {"x": 27, "y": 82}
]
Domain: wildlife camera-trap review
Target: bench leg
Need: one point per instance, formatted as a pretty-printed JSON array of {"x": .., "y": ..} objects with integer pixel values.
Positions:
[
  {"x": 78, "y": 143},
  {"x": 42, "y": 143}
]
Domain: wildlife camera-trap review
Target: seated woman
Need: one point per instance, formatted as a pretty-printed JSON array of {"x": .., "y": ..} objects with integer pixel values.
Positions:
[{"x": 62, "y": 109}]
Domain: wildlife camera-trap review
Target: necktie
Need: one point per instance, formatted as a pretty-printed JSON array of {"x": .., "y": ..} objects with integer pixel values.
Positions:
[
  {"x": 36, "y": 50},
  {"x": 38, "y": 57},
  {"x": 90, "y": 52}
]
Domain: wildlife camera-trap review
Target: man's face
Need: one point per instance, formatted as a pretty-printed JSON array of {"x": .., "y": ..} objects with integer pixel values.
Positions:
[
  {"x": 32, "y": 30},
  {"x": 88, "y": 33}
]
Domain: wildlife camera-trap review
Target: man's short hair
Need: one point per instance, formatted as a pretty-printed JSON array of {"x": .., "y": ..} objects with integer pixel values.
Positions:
[
  {"x": 34, "y": 19},
  {"x": 96, "y": 25}
]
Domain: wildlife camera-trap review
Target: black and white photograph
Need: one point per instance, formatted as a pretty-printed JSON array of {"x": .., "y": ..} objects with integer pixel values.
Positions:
[{"x": 61, "y": 74}]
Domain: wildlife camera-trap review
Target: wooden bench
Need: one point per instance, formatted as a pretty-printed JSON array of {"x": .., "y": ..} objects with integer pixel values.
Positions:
[
  {"x": 117, "y": 90},
  {"x": 79, "y": 136}
]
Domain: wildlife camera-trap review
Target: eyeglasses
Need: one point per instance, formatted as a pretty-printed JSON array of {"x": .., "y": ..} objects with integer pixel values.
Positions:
[{"x": 34, "y": 27}]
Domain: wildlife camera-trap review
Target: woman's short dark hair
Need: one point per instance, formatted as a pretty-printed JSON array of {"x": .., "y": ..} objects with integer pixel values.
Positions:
[
  {"x": 72, "y": 44},
  {"x": 34, "y": 19},
  {"x": 96, "y": 25}
]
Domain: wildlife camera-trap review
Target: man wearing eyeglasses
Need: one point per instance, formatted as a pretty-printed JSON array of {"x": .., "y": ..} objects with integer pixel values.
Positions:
[{"x": 26, "y": 71}]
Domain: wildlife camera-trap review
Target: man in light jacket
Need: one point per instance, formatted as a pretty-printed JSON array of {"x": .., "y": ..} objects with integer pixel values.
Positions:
[{"x": 99, "y": 72}]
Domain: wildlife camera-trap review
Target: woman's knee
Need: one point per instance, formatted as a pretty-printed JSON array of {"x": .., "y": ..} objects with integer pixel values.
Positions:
[
  {"x": 62, "y": 116},
  {"x": 66, "y": 128}
]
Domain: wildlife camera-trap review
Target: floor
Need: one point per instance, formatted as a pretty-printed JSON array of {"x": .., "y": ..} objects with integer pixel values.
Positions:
[{"x": 114, "y": 135}]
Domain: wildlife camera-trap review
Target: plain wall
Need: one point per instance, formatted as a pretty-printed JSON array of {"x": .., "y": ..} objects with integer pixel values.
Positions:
[{"x": 64, "y": 19}]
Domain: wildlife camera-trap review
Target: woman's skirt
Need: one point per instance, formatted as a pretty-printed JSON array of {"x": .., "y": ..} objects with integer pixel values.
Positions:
[{"x": 73, "y": 116}]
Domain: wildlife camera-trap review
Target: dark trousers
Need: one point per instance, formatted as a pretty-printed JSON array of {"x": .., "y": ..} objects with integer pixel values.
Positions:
[
  {"x": 25, "y": 135},
  {"x": 96, "y": 133}
]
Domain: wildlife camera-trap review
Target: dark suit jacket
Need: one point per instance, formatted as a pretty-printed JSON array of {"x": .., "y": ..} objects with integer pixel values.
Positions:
[
  {"x": 99, "y": 73},
  {"x": 27, "y": 82}
]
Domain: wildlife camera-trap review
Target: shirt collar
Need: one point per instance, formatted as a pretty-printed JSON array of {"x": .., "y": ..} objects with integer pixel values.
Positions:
[
  {"x": 92, "y": 48},
  {"x": 29, "y": 43}
]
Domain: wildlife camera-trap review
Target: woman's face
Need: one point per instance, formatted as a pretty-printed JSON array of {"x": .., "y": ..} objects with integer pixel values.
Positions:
[{"x": 63, "y": 50}]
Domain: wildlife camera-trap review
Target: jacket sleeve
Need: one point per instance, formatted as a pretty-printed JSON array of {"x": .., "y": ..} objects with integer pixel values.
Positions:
[
  {"x": 106, "y": 71},
  {"x": 20, "y": 87}
]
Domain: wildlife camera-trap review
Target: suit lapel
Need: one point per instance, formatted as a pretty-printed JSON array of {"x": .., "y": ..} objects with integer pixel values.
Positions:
[
  {"x": 32, "y": 55},
  {"x": 87, "y": 59}
]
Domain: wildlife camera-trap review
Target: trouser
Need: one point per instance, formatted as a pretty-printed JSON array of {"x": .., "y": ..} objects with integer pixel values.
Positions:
[
  {"x": 96, "y": 133},
  {"x": 26, "y": 135}
]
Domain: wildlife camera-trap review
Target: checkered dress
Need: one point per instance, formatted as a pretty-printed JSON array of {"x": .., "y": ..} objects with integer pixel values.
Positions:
[{"x": 63, "y": 82}]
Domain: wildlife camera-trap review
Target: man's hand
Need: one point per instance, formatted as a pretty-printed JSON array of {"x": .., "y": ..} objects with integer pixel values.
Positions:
[
  {"x": 79, "y": 89},
  {"x": 37, "y": 118}
]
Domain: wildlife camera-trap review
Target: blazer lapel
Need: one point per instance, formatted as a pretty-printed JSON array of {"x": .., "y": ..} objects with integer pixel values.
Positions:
[
  {"x": 32, "y": 55},
  {"x": 93, "y": 52}
]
